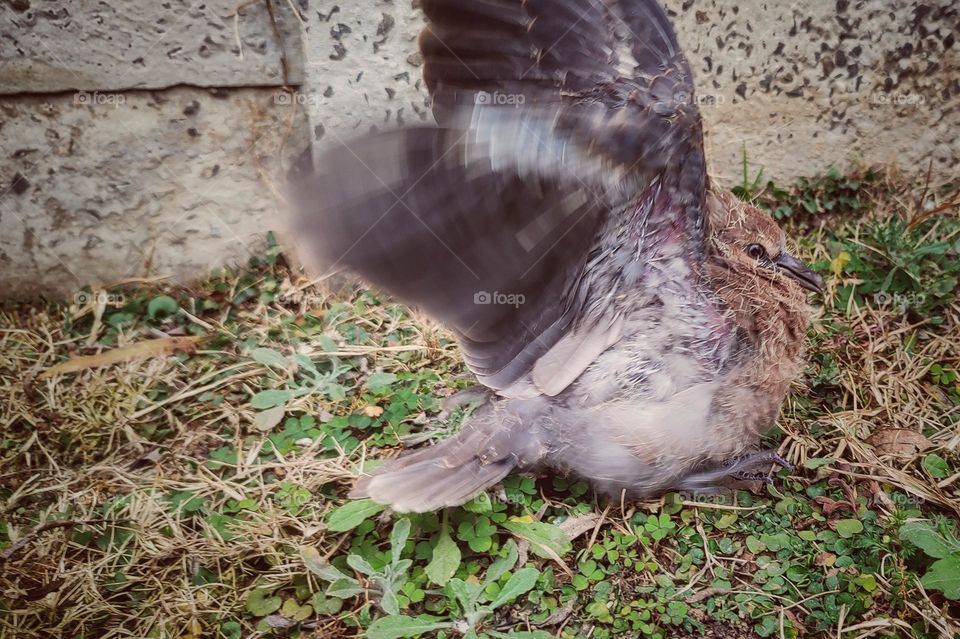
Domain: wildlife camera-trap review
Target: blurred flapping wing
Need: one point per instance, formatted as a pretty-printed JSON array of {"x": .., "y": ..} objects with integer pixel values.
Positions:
[{"x": 554, "y": 116}]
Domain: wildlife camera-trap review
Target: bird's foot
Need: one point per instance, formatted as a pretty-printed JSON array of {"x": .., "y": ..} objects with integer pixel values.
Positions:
[
  {"x": 743, "y": 475},
  {"x": 744, "y": 468}
]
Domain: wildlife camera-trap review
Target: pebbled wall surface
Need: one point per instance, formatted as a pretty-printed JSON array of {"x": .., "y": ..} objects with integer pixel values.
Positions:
[
  {"x": 141, "y": 139},
  {"x": 172, "y": 182},
  {"x": 56, "y": 45},
  {"x": 806, "y": 84}
]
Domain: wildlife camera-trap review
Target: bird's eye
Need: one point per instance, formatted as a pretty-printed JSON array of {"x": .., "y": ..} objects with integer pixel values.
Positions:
[{"x": 756, "y": 251}]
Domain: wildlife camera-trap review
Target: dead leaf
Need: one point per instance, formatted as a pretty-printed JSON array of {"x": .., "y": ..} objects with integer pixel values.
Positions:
[
  {"x": 266, "y": 420},
  {"x": 279, "y": 621},
  {"x": 560, "y": 614},
  {"x": 795, "y": 620},
  {"x": 706, "y": 593},
  {"x": 150, "y": 348},
  {"x": 898, "y": 441},
  {"x": 35, "y": 594},
  {"x": 848, "y": 491},
  {"x": 576, "y": 526},
  {"x": 830, "y": 505},
  {"x": 825, "y": 559},
  {"x": 878, "y": 496},
  {"x": 373, "y": 411}
]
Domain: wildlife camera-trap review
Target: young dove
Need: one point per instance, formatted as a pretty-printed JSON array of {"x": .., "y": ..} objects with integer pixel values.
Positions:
[{"x": 638, "y": 328}]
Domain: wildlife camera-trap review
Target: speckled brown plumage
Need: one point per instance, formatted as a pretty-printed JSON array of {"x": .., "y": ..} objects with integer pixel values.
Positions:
[
  {"x": 768, "y": 307},
  {"x": 638, "y": 329}
]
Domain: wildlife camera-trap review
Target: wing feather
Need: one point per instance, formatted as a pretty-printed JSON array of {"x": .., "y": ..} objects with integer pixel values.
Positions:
[{"x": 555, "y": 118}]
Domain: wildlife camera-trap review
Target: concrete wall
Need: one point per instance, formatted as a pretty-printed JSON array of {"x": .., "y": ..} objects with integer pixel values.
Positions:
[
  {"x": 145, "y": 138},
  {"x": 169, "y": 182},
  {"x": 140, "y": 139}
]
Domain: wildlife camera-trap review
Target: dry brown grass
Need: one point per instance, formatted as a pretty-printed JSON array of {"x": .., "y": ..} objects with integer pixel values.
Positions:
[{"x": 74, "y": 448}]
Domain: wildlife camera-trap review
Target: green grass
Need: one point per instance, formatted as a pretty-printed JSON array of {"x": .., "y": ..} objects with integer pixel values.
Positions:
[{"x": 204, "y": 494}]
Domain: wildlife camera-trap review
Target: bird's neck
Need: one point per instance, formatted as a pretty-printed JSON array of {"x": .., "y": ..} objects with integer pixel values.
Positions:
[
  {"x": 772, "y": 321},
  {"x": 774, "y": 332}
]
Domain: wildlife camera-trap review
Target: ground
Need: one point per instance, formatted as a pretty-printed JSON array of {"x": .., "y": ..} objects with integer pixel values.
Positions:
[{"x": 174, "y": 462}]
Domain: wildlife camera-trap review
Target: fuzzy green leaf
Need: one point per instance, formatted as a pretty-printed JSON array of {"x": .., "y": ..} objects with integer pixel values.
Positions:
[
  {"x": 546, "y": 540},
  {"x": 520, "y": 583},
  {"x": 944, "y": 575},
  {"x": 398, "y": 537},
  {"x": 445, "y": 560},
  {"x": 344, "y": 588},
  {"x": 380, "y": 381},
  {"x": 271, "y": 398},
  {"x": 389, "y": 602},
  {"x": 465, "y": 593},
  {"x": 396, "y": 626},
  {"x": 360, "y": 564},
  {"x": 317, "y": 565},
  {"x": 928, "y": 539},
  {"x": 352, "y": 514},
  {"x": 269, "y": 357},
  {"x": 306, "y": 363},
  {"x": 502, "y": 564},
  {"x": 266, "y": 420}
]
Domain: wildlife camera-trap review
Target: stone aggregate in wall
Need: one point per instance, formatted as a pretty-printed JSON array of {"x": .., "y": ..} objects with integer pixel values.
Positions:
[
  {"x": 172, "y": 182},
  {"x": 56, "y": 45}
]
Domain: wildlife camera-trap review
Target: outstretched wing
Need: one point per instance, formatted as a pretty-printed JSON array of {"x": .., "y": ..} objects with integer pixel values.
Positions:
[
  {"x": 556, "y": 116},
  {"x": 607, "y": 76}
]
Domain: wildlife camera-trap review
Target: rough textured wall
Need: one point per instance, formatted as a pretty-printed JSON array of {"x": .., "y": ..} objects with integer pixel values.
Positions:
[
  {"x": 54, "y": 45},
  {"x": 102, "y": 181},
  {"x": 807, "y": 84},
  {"x": 363, "y": 68},
  {"x": 803, "y": 85},
  {"x": 173, "y": 182}
]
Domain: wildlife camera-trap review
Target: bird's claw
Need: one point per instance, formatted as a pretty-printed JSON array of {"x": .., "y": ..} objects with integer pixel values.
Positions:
[
  {"x": 745, "y": 476},
  {"x": 741, "y": 467}
]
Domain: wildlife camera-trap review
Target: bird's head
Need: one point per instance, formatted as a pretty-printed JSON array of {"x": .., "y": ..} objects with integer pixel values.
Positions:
[
  {"x": 751, "y": 270},
  {"x": 751, "y": 245}
]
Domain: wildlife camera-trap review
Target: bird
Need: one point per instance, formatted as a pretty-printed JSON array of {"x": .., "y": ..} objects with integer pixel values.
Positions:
[{"x": 632, "y": 323}]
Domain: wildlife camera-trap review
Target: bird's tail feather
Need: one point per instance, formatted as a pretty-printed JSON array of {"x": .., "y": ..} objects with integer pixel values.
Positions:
[{"x": 451, "y": 472}]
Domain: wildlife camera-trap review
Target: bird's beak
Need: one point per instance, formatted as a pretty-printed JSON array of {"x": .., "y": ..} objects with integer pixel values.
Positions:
[{"x": 800, "y": 272}]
